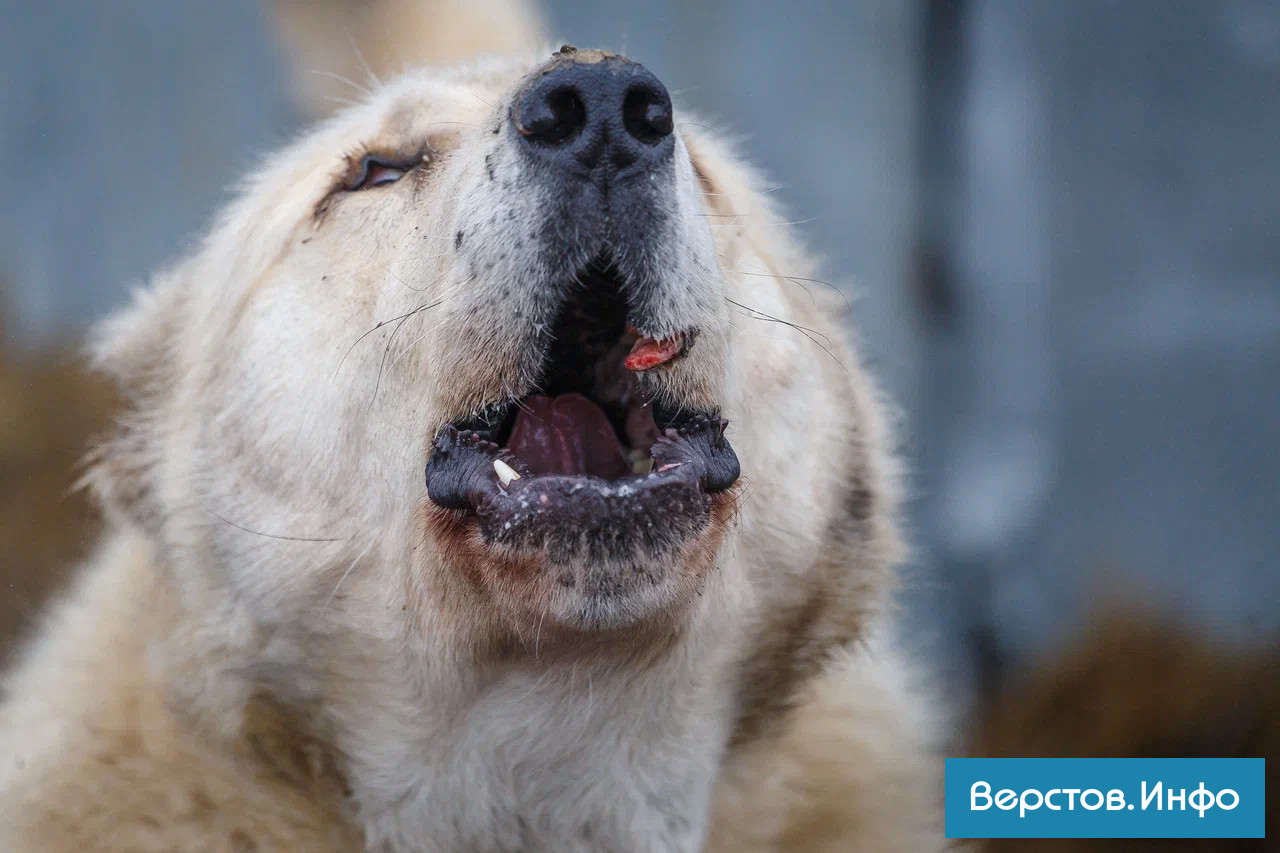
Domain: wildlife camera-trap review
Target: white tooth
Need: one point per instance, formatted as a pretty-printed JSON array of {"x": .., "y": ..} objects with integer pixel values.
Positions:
[{"x": 505, "y": 472}]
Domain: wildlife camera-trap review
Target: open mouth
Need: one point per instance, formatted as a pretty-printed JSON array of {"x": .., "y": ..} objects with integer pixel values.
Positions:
[{"x": 589, "y": 454}]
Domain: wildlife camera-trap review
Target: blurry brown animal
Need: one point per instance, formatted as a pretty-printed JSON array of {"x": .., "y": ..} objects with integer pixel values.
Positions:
[
  {"x": 1139, "y": 687},
  {"x": 50, "y": 406}
]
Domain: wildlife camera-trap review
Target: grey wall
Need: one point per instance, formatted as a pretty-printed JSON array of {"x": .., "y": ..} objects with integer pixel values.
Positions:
[
  {"x": 120, "y": 125},
  {"x": 1059, "y": 223},
  {"x": 1119, "y": 323}
]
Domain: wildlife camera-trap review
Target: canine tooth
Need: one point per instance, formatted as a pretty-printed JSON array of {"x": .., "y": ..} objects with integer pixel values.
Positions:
[{"x": 505, "y": 472}]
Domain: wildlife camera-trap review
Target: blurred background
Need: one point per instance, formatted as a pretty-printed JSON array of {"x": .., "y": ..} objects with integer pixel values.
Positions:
[{"x": 1059, "y": 224}]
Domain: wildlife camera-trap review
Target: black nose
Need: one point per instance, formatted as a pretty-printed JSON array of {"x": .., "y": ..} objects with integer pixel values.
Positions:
[{"x": 594, "y": 113}]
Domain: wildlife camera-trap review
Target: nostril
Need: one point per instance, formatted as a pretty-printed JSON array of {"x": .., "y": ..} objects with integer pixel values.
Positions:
[
  {"x": 598, "y": 116},
  {"x": 553, "y": 119},
  {"x": 646, "y": 113}
]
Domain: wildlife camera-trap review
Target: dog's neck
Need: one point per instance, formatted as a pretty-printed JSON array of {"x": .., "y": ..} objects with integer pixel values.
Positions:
[
  {"x": 554, "y": 757},
  {"x": 544, "y": 751}
]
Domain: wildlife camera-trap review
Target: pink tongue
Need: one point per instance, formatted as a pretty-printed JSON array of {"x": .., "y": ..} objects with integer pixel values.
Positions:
[{"x": 567, "y": 435}]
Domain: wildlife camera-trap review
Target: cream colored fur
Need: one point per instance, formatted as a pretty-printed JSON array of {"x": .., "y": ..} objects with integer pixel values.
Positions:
[
  {"x": 277, "y": 649},
  {"x": 340, "y": 47}
]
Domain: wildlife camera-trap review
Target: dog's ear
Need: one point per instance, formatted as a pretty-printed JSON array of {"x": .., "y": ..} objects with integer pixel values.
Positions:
[
  {"x": 339, "y": 47},
  {"x": 136, "y": 347}
]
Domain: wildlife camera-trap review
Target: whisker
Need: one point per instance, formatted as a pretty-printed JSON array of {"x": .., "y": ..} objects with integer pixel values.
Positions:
[
  {"x": 408, "y": 258},
  {"x": 795, "y": 279},
  {"x": 364, "y": 90},
  {"x": 739, "y": 498},
  {"x": 409, "y": 348},
  {"x": 537, "y": 637},
  {"x": 273, "y": 535},
  {"x": 387, "y": 349},
  {"x": 441, "y": 298},
  {"x": 758, "y": 192},
  {"x": 524, "y": 408},
  {"x": 739, "y": 215},
  {"x": 364, "y": 63},
  {"x": 342, "y": 102},
  {"x": 374, "y": 329},
  {"x": 797, "y": 326},
  {"x": 442, "y": 277},
  {"x": 421, "y": 337},
  {"x": 338, "y": 585},
  {"x": 807, "y": 332},
  {"x": 387, "y": 268}
]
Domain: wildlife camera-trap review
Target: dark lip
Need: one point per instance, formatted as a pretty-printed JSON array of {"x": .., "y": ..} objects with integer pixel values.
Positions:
[{"x": 562, "y": 513}]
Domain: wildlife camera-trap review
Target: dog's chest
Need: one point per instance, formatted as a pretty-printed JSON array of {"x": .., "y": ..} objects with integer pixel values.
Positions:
[{"x": 537, "y": 765}]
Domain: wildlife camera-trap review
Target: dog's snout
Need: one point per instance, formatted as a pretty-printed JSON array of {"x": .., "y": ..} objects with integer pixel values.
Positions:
[{"x": 590, "y": 112}]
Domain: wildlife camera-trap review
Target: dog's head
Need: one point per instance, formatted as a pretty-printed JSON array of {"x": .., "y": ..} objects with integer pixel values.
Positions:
[{"x": 506, "y": 350}]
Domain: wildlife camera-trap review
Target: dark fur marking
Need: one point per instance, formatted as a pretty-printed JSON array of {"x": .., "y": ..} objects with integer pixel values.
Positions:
[
  {"x": 828, "y": 620},
  {"x": 859, "y": 502},
  {"x": 776, "y": 673}
]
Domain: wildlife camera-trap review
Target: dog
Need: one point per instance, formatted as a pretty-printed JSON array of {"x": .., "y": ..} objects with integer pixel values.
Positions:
[{"x": 494, "y": 476}]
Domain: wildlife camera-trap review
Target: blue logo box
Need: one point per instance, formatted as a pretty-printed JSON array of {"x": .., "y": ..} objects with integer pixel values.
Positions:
[{"x": 1105, "y": 798}]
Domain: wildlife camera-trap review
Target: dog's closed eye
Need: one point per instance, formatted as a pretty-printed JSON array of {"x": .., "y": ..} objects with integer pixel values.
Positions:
[
  {"x": 369, "y": 170},
  {"x": 373, "y": 171}
]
